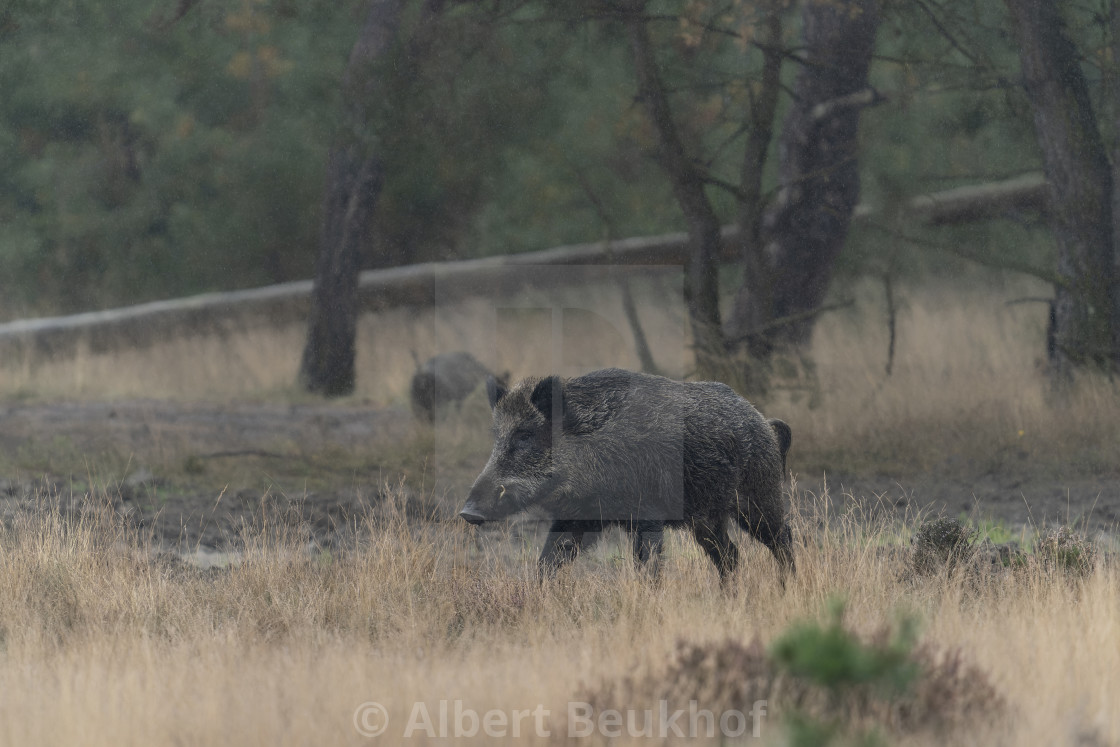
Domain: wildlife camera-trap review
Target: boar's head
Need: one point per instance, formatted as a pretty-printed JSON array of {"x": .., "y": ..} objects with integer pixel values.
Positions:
[{"x": 520, "y": 472}]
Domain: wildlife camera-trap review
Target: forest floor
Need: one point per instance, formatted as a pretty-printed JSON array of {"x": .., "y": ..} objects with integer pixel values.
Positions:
[{"x": 198, "y": 474}]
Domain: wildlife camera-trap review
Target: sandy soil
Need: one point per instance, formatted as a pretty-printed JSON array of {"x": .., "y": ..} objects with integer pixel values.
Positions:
[{"x": 195, "y": 475}]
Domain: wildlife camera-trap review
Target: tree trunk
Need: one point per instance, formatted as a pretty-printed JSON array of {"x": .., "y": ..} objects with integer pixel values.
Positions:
[
  {"x": 353, "y": 183},
  {"x": 804, "y": 229},
  {"x": 752, "y": 302},
  {"x": 701, "y": 272},
  {"x": 1112, "y": 82},
  {"x": 1080, "y": 177}
]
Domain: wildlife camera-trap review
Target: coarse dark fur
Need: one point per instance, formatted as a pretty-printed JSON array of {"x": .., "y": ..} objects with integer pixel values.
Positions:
[
  {"x": 445, "y": 380},
  {"x": 638, "y": 451}
]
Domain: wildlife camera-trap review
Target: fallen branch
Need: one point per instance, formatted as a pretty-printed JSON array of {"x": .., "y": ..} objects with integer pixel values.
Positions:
[
  {"x": 418, "y": 285},
  {"x": 997, "y": 263},
  {"x": 762, "y": 330},
  {"x": 857, "y": 100}
]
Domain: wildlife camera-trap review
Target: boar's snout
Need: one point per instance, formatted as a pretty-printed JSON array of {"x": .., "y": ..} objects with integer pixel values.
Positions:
[
  {"x": 475, "y": 510},
  {"x": 482, "y": 501},
  {"x": 471, "y": 515}
]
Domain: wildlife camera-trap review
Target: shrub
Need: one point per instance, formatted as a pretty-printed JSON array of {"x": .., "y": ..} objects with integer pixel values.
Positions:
[
  {"x": 942, "y": 546},
  {"x": 1062, "y": 550},
  {"x": 824, "y": 680},
  {"x": 835, "y": 658}
]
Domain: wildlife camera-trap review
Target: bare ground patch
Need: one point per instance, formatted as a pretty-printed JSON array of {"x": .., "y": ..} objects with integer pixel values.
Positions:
[{"x": 197, "y": 475}]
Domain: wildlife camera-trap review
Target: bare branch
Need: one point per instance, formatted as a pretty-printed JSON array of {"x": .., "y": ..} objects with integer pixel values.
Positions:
[
  {"x": 803, "y": 316},
  {"x": 858, "y": 100},
  {"x": 997, "y": 263}
]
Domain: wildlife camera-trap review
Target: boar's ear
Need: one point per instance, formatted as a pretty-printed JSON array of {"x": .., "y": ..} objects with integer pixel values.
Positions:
[
  {"x": 784, "y": 434},
  {"x": 494, "y": 391},
  {"x": 548, "y": 396}
]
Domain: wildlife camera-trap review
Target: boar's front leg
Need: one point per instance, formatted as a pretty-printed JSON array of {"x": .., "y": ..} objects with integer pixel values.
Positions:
[
  {"x": 648, "y": 538},
  {"x": 562, "y": 546}
]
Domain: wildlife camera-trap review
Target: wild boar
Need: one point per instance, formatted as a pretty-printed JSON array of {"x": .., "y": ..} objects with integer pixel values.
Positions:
[
  {"x": 643, "y": 452},
  {"x": 445, "y": 380}
]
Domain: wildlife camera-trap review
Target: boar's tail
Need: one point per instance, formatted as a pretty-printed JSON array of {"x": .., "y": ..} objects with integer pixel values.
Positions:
[{"x": 785, "y": 438}]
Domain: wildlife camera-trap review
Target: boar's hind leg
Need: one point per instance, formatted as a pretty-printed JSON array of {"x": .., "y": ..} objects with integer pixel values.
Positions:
[
  {"x": 648, "y": 539},
  {"x": 561, "y": 547},
  {"x": 713, "y": 537}
]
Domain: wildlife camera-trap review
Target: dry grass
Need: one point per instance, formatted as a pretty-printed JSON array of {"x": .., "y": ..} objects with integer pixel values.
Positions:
[
  {"x": 967, "y": 392},
  {"x": 101, "y": 644},
  {"x": 968, "y": 386}
]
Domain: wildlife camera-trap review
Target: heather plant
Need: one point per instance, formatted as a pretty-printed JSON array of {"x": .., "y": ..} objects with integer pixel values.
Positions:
[
  {"x": 942, "y": 545},
  {"x": 1060, "y": 549}
]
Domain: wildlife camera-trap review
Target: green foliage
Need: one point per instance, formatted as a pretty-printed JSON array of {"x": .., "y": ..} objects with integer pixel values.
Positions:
[
  {"x": 835, "y": 658},
  {"x": 994, "y": 531},
  {"x": 158, "y": 150},
  {"x": 147, "y": 156},
  {"x": 589, "y": 174},
  {"x": 954, "y": 117},
  {"x": 887, "y": 681}
]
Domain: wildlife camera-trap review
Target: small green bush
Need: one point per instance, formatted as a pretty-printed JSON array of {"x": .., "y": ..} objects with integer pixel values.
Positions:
[{"x": 836, "y": 658}]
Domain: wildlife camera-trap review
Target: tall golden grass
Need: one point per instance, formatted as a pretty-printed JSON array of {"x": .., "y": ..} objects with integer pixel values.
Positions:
[
  {"x": 968, "y": 384},
  {"x": 101, "y": 644}
]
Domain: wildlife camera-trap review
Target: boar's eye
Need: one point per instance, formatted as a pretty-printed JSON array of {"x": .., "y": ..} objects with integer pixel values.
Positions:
[{"x": 521, "y": 441}]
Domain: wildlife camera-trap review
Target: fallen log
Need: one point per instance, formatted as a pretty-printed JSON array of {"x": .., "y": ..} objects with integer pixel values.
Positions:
[{"x": 417, "y": 285}]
